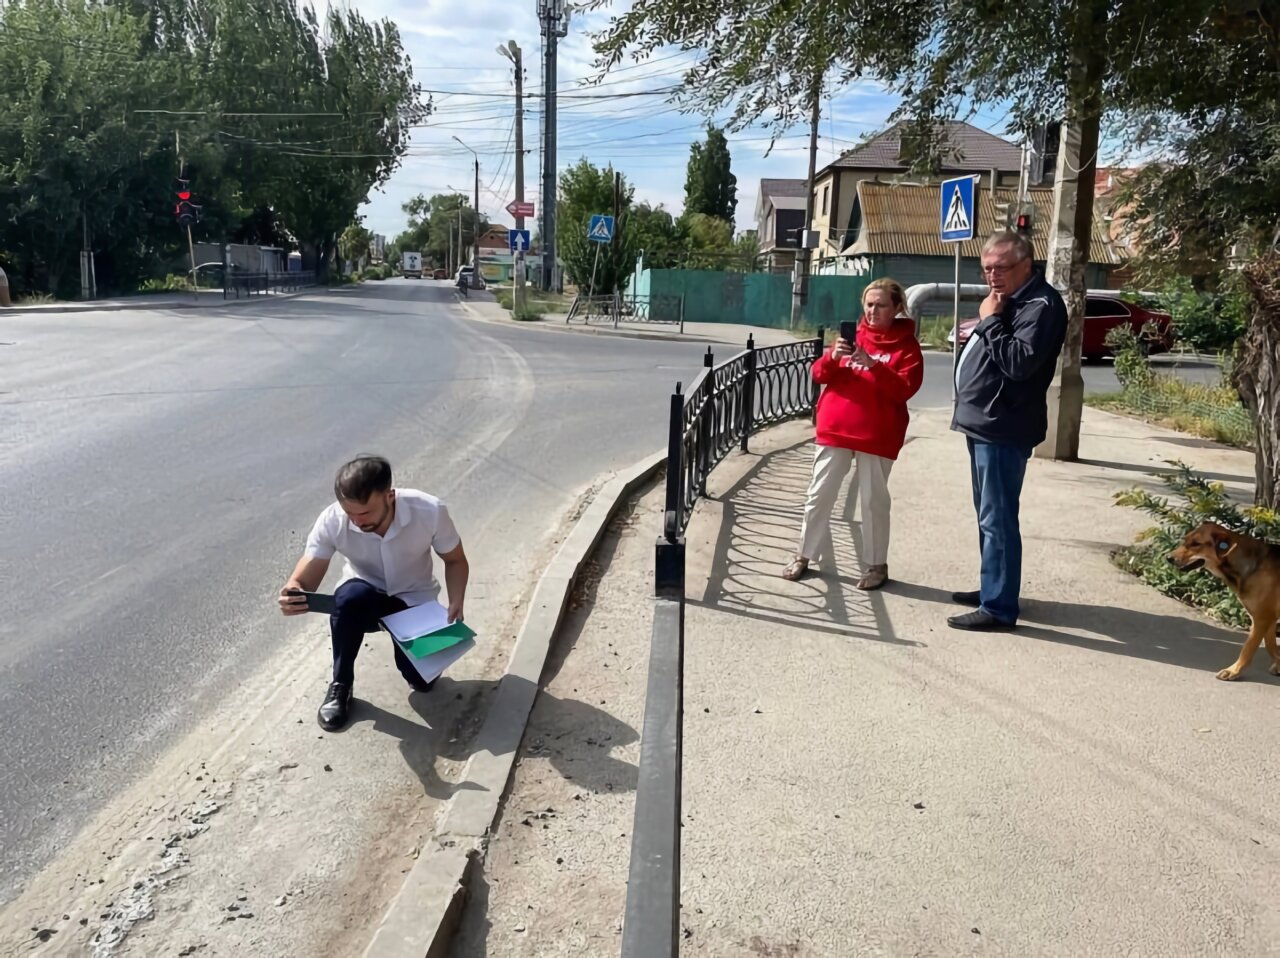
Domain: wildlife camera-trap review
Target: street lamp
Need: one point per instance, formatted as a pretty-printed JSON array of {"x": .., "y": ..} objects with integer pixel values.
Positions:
[{"x": 475, "y": 232}]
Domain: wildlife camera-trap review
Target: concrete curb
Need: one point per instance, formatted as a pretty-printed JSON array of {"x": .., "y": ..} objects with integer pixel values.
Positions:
[
  {"x": 144, "y": 305},
  {"x": 424, "y": 914}
]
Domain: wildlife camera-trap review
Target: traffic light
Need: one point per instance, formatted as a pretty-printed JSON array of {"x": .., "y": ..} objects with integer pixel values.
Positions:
[
  {"x": 185, "y": 211},
  {"x": 1024, "y": 221}
]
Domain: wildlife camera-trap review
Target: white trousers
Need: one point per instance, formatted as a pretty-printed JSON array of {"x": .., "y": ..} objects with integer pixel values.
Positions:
[{"x": 830, "y": 466}]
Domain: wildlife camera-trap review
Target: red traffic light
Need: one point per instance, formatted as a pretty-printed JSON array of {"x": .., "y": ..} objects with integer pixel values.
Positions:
[{"x": 184, "y": 194}]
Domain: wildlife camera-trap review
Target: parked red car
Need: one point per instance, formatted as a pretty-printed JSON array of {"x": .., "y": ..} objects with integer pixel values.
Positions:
[{"x": 1101, "y": 315}]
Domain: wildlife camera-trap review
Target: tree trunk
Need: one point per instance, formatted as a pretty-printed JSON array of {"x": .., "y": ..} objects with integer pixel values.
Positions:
[{"x": 1256, "y": 375}]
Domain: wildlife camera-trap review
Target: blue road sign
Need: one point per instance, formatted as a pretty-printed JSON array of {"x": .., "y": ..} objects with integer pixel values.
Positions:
[
  {"x": 601, "y": 229},
  {"x": 956, "y": 218},
  {"x": 518, "y": 240}
]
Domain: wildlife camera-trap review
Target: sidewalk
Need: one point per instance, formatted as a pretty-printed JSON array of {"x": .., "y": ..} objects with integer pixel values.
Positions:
[
  {"x": 485, "y": 308},
  {"x": 205, "y": 299},
  {"x": 859, "y": 779}
]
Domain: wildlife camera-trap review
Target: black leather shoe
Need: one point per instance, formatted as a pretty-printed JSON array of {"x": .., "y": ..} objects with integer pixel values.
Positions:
[
  {"x": 978, "y": 622},
  {"x": 332, "y": 715},
  {"x": 420, "y": 686},
  {"x": 973, "y": 599}
]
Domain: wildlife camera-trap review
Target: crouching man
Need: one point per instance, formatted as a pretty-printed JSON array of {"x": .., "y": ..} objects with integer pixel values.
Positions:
[{"x": 387, "y": 536}]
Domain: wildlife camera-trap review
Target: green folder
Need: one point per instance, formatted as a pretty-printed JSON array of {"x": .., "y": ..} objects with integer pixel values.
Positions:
[{"x": 437, "y": 641}]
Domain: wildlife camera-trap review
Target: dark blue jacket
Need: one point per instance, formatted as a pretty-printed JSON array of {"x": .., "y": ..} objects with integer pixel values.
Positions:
[{"x": 1006, "y": 368}]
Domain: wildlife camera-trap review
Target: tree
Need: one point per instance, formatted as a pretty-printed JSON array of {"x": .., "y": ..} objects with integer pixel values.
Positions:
[
  {"x": 282, "y": 124},
  {"x": 1194, "y": 85},
  {"x": 710, "y": 186},
  {"x": 354, "y": 244},
  {"x": 586, "y": 190},
  {"x": 652, "y": 229}
]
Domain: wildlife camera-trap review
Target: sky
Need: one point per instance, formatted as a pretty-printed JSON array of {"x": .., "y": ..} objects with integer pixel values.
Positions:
[{"x": 453, "y": 49}]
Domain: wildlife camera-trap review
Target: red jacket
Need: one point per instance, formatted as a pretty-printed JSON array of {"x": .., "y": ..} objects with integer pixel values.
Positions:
[{"x": 866, "y": 409}]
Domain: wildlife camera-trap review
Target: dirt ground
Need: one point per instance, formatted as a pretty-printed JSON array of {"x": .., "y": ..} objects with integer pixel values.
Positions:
[{"x": 554, "y": 880}]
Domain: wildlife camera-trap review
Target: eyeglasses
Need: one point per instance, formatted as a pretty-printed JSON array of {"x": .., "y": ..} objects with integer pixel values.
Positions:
[{"x": 997, "y": 270}]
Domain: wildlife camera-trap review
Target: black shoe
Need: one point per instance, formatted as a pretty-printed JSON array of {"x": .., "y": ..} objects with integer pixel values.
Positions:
[
  {"x": 973, "y": 599},
  {"x": 332, "y": 715},
  {"x": 420, "y": 686},
  {"x": 978, "y": 622}
]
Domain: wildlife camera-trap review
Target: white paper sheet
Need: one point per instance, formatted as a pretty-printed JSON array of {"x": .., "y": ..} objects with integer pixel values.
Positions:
[
  {"x": 431, "y": 667},
  {"x": 417, "y": 621}
]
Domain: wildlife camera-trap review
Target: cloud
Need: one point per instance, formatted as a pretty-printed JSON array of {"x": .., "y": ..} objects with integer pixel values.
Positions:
[{"x": 452, "y": 46}]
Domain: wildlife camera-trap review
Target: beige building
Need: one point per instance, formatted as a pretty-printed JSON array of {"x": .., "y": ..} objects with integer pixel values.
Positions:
[{"x": 835, "y": 186}]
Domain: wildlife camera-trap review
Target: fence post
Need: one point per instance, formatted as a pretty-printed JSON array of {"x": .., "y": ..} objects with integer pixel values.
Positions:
[
  {"x": 681, "y": 314},
  {"x": 705, "y": 416},
  {"x": 675, "y": 472},
  {"x": 749, "y": 394},
  {"x": 813, "y": 383}
]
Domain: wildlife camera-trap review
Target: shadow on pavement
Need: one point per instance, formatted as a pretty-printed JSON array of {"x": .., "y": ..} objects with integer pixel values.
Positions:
[
  {"x": 1171, "y": 639},
  {"x": 1149, "y": 469},
  {"x": 758, "y": 536}
]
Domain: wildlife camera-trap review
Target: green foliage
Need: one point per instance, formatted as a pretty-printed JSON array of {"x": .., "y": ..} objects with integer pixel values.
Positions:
[
  {"x": 169, "y": 284},
  {"x": 710, "y": 187},
  {"x": 1212, "y": 411},
  {"x": 586, "y": 190},
  {"x": 285, "y": 121},
  {"x": 1191, "y": 500},
  {"x": 1205, "y": 321},
  {"x": 355, "y": 243}
]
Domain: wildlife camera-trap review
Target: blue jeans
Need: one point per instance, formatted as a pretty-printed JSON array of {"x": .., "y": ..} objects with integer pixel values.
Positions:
[{"x": 997, "y": 471}]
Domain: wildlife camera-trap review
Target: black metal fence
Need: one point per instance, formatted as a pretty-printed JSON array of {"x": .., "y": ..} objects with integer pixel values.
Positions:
[
  {"x": 721, "y": 409},
  {"x": 260, "y": 284},
  {"x": 615, "y": 308}
]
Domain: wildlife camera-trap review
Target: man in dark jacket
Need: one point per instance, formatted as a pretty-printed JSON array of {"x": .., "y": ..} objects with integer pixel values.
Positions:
[{"x": 1002, "y": 377}]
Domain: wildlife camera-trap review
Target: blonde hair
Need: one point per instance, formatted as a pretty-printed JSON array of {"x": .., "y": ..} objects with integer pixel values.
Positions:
[{"x": 894, "y": 289}]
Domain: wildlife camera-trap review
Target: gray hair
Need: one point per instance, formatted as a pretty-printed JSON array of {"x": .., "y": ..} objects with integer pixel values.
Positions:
[{"x": 1021, "y": 245}]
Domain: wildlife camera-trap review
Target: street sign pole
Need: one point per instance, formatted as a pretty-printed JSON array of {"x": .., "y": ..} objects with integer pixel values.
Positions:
[{"x": 957, "y": 220}]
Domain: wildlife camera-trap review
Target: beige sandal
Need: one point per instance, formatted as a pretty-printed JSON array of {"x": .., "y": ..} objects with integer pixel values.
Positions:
[
  {"x": 874, "y": 578},
  {"x": 796, "y": 569}
]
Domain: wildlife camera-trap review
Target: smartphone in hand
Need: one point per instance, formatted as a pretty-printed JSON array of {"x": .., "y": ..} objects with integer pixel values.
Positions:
[
  {"x": 317, "y": 601},
  {"x": 849, "y": 333}
]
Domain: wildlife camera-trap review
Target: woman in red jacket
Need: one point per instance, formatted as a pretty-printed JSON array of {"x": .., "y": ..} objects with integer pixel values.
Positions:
[{"x": 862, "y": 420}]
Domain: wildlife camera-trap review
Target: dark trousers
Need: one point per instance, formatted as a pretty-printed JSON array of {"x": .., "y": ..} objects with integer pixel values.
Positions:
[
  {"x": 360, "y": 606},
  {"x": 997, "y": 471}
]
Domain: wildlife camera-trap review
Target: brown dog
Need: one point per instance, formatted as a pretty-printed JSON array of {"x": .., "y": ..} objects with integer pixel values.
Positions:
[{"x": 1251, "y": 568}]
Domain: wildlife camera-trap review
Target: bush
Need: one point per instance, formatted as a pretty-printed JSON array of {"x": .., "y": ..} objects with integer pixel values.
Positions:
[
  {"x": 1207, "y": 322},
  {"x": 1195, "y": 500},
  {"x": 170, "y": 284}
]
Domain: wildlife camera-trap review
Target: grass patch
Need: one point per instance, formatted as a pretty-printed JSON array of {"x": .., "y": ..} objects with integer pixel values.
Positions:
[
  {"x": 1198, "y": 409},
  {"x": 933, "y": 331},
  {"x": 537, "y": 303}
]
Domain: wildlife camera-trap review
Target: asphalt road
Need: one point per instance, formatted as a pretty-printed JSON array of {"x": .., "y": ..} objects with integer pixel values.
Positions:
[{"x": 160, "y": 471}]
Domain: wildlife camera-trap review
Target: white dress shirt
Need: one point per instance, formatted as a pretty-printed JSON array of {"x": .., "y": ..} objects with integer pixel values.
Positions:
[{"x": 399, "y": 562}]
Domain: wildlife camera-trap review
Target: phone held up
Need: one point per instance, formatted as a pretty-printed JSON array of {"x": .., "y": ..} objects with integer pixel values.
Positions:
[
  {"x": 317, "y": 601},
  {"x": 849, "y": 333}
]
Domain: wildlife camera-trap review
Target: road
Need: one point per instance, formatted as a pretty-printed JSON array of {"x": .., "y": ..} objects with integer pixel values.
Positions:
[{"x": 161, "y": 471}]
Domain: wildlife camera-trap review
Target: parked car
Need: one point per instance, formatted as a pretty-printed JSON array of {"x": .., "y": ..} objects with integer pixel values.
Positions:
[
  {"x": 439, "y": 273},
  {"x": 1101, "y": 315},
  {"x": 467, "y": 271}
]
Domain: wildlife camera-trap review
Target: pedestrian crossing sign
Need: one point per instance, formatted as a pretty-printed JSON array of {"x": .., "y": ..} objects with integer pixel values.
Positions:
[
  {"x": 600, "y": 229},
  {"x": 957, "y": 214}
]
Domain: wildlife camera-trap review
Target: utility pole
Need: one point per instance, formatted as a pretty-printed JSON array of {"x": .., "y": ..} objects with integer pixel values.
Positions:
[
  {"x": 475, "y": 229},
  {"x": 1072, "y": 227},
  {"x": 191, "y": 246},
  {"x": 800, "y": 273},
  {"x": 512, "y": 53},
  {"x": 555, "y": 24},
  {"x": 617, "y": 220}
]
